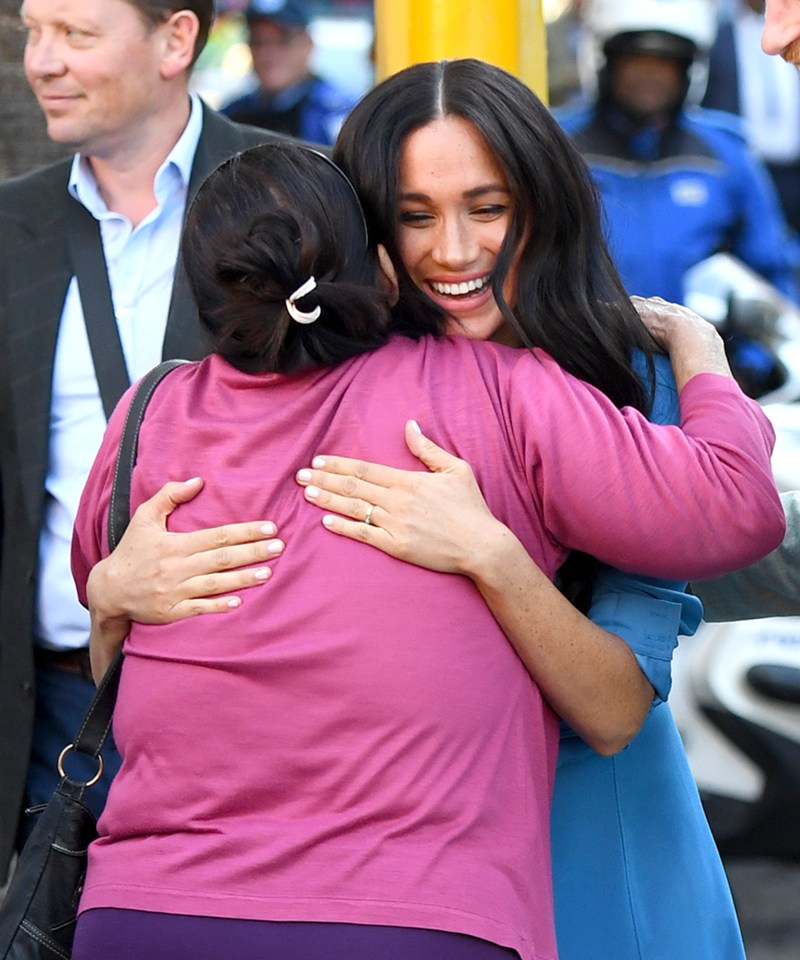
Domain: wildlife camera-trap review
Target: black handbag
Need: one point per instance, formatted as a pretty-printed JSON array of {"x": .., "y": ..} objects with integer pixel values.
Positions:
[{"x": 38, "y": 915}]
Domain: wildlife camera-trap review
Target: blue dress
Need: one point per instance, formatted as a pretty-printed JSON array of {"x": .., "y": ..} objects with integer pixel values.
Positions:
[{"x": 636, "y": 872}]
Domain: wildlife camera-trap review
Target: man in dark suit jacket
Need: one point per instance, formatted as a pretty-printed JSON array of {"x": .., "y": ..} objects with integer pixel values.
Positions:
[{"x": 112, "y": 78}]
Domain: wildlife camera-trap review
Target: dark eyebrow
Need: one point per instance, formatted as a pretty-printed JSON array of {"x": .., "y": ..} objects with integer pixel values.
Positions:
[
  {"x": 472, "y": 194},
  {"x": 488, "y": 188}
]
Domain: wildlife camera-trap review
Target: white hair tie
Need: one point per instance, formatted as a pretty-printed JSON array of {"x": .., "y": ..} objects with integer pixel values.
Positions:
[{"x": 299, "y": 315}]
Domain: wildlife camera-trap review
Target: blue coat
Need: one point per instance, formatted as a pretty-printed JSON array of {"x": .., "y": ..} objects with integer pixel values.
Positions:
[
  {"x": 672, "y": 199},
  {"x": 313, "y": 110},
  {"x": 636, "y": 872}
]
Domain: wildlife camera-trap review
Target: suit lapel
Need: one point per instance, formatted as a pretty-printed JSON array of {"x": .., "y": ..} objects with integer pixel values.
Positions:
[{"x": 219, "y": 140}]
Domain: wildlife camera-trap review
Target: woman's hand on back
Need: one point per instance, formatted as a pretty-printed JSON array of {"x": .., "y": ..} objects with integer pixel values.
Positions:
[
  {"x": 156, "y": 576},
  {"x": 435, "y": 518},
  {"x": 693, "y": 344}
]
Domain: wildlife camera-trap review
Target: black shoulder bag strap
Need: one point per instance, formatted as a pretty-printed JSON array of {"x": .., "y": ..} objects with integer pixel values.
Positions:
[
  {"x": 97, "y": 722},
  {"x": 89, "y": 264}
]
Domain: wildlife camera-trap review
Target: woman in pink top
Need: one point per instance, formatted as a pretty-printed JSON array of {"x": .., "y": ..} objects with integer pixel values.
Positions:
[{"x": 359, "y": 764}]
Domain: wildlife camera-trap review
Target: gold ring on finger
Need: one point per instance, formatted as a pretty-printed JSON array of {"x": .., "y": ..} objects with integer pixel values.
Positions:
[{"x": 368, "y": 517}]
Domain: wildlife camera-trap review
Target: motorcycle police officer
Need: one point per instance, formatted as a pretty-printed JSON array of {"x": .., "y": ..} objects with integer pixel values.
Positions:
[{"x": 678, "y": 183}]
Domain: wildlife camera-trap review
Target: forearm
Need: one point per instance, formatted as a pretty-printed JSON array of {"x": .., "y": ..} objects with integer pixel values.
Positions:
[
  {"x": 109, "y": 626},
  {"x": 589, "y": 676}
]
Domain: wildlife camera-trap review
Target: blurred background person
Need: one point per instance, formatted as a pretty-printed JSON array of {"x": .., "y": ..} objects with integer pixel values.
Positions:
[
  {"x": 289, "y": 97},
  {"x": 765, "y": 92},
  {"x": 781, "y": 34},
  {"x": 678, "y": 183}
]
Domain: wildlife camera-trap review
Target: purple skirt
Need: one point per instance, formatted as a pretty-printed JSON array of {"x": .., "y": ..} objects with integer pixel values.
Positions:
[{"x": 111, "y": 934}]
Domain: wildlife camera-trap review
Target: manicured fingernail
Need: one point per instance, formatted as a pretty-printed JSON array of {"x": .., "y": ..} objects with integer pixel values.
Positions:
[
  {"x": 312, "y": 492},
  {"x": 192, "y": 480},
  {"x": 275, "y": 546},
  {"x": 304, "y": 475},
  {"x": 263, "y": 573},
  {"x": 233, "y": 602},
  {"x": 269, "y": 529},
  {"x": 327, "y": 520},
  {"x": 319, "y": 463},
  {"x": 415, "y": 427}
]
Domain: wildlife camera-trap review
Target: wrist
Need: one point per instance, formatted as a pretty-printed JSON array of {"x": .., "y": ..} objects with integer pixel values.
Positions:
[
  {"x": 100, "y": 595},
  {"x": 699, "y": 351},
  {"x": 493, "y": 554}
]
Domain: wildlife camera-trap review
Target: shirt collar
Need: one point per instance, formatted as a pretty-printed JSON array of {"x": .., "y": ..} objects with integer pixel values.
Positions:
[{"x": 176, "y": 168}]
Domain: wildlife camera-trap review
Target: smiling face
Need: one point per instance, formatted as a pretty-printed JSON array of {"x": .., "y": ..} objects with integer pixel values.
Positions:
[
  {"x": 455, "y": 208},
  {"x": 96, "y": 69},
  {"x": 782, "y": 30}
]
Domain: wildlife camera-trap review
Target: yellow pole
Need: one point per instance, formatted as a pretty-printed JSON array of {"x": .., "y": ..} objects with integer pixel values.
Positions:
[
  {"x": 508, "y": 33},
  {"x": 392, "y": 37},
  {"x": 533, "y": 47}
]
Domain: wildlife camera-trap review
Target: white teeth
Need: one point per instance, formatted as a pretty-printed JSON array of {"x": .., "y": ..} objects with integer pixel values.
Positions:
[{"x": 459, "y": 289}]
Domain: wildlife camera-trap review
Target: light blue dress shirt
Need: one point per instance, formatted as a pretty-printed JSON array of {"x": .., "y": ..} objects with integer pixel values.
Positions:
[{"x": 141, "y": 265}]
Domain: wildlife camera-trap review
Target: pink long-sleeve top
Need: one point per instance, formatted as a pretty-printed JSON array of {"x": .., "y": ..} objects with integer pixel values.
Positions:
[{"x": 358, "y": 742}]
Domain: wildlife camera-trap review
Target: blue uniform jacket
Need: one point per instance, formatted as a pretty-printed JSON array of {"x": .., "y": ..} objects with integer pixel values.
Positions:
[
  {"x": 313, "y": 110},
  {"x": 673, "y": 198}
]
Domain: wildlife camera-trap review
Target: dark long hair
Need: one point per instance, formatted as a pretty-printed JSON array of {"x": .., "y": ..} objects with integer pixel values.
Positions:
[
  {"x": 570, "y": 300},
  {"x": 260, "y": 226}
]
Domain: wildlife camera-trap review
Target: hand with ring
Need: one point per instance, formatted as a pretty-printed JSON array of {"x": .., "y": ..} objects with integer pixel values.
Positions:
[{"x": 436, "y": 518}]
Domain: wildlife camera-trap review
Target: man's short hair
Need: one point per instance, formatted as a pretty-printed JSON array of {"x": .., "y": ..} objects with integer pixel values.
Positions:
[{"x": 157, "y": 11}]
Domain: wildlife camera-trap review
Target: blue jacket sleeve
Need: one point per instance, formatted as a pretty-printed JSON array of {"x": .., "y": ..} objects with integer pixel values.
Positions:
[{"x": 647, "y": 613}]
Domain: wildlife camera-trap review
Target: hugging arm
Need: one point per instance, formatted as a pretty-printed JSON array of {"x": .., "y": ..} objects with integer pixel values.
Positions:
[
  {"x": 600, "y": 674},
  {"x": 590, "y": 676},
  {"x": 507, "y": 577},
  {"x": 770, "y": 587}
]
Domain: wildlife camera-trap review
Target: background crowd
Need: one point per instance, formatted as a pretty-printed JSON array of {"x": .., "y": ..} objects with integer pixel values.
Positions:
[{"x": 691, "y": 132}]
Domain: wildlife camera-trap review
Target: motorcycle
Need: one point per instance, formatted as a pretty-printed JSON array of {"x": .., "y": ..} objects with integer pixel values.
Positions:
[{"x": 736, "y": 686}]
